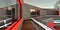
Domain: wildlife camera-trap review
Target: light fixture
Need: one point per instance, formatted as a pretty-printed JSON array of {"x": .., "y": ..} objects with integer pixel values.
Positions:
[
  {"x": 9, "y": 8},
  {"x": 32, "y": 10}
]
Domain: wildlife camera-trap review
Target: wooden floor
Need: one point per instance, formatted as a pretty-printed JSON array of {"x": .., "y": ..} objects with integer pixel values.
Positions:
[
  {"x": 57, "y": 27},
  {"x": 27, "y": 25}
]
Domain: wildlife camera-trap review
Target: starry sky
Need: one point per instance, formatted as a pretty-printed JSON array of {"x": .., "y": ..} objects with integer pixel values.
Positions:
[{"x": 42, "y": 3}]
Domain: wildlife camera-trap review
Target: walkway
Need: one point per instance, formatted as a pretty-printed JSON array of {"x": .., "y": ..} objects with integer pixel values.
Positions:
[{"x": 30, "y": 25}]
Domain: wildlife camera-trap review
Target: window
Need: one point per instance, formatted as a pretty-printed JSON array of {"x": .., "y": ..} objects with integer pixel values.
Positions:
[
  {"x": 34, "y": 12},
  {"x": 52, "y": 13},
  {"x": 8, "y": 13},
  {"x": 56, "y": 12},
  {"x": 20, "y": 10}
]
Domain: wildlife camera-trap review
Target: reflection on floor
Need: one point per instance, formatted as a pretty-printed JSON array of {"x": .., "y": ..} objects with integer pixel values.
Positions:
[
  {"x": 2, "y": 28},
  {"x": 27, "y": 25},
  {"x": 30, "y": 25},
  {"x": 57, "y": 27}
]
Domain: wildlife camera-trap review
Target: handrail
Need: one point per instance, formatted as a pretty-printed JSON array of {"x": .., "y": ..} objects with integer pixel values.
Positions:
[
  {"x": 5, "y": 25},
  {"x": 14, "y": 25},
  {"x": 42, "y": 25}
]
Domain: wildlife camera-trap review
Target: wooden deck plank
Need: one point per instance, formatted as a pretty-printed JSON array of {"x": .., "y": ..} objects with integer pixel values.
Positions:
[{"x": 27, "y": 25}]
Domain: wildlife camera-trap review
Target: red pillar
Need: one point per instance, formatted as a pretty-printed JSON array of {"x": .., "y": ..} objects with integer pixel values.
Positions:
[{"x": 59, "y": 12}]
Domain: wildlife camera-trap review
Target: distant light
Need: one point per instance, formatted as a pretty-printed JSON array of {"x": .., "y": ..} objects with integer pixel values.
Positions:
[
  {"x": 32, "y": 10},
  {"x": 9, "y": 8}
]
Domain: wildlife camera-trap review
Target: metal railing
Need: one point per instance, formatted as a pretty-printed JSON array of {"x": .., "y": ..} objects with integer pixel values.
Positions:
[
  {"x": 6, "y": 22},
  {"x": 41, "y": 24}
]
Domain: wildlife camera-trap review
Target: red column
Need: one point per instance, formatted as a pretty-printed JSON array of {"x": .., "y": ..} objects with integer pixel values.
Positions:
[{"x": 59, "y": 12}]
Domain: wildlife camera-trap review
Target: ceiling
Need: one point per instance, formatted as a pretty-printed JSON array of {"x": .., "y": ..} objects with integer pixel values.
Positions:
[
  {"x": 4, "y": 3},
  {"x": 41, "y": 3},
  {"x": 37, "y": 3}
]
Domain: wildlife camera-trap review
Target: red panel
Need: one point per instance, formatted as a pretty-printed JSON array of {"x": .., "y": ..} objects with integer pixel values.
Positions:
[
  {"x": 59, "y": 12},
  {"x": 51, "y": 24},
  {"x": 17, "y": 25}
]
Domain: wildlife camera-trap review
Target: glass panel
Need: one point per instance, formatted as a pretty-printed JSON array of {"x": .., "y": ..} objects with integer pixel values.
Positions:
[{"x": 8, "y": 13}]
